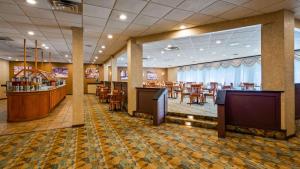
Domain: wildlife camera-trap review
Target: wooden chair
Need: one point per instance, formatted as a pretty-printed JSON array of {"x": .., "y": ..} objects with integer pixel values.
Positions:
[
  {"x": 249, "y": 86},
  {"x": 115, "y": 102},
  {"x": 196, "y": 93},
  {"x": 103, "y": 94},
  {"x": 169, "y": 86},
  {"x": 212, "y": 91}
]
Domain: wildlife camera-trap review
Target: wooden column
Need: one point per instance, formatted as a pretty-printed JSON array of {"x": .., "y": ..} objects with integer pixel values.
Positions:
[
  {"x": 78, "y": 90},
  {"x": 278, "y": 64},
  {"x": 135, "y": 72},
  {"x": 114, "y": 68}
]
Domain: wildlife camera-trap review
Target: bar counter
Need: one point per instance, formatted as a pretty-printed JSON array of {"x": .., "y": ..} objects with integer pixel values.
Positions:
[{"x": 32, "y": 105}]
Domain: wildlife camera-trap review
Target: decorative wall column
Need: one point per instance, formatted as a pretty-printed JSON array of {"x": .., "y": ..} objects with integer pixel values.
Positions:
[
  {"x": 135, "y": 72},
  {"x": 114, "y": 71},
  {"x": 78, "y": 88},
  {"x": 278, "y": 64},
  {"x": 105, "y": 71}
]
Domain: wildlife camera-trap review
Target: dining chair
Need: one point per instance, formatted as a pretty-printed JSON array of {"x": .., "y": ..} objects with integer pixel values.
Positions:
[
  {"x": 212, "y": 92},
  {"x": 196, "y": 93},
  {"x": 115, "y": 102}
]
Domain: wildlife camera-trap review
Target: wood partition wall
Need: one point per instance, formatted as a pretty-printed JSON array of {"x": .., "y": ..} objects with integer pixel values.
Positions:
[
  {"x": 249, "y": 109},
  {"x": 297, "y": 101},
  {"x": 152, "y": 102}
]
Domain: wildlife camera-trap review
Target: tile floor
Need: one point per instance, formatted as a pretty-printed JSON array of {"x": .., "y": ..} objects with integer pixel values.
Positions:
[
  {"x": 60, "y": 117},
  {"x": 207, "y": 109},
  {"x": 116, "y": 140}
]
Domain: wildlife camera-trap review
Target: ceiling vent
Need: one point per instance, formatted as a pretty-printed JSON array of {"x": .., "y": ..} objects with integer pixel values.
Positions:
[
  {"x": 4, "y": 38},
  {"x": 66, "y": 6}
]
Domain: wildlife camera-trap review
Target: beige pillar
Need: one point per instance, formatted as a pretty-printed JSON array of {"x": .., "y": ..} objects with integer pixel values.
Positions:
[
  {"x": 135, "y": 72},
  {"x": 106, "y": 72},
  {"x": 114, "y": 68},
  {"x": 78, "y": 92},
  {"x": 114, "y": 71},
  {"x": 278, "y": 64}
]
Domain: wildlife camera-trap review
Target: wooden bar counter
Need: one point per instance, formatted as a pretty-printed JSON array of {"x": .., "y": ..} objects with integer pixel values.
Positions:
[{"x": 32, "y": 105}]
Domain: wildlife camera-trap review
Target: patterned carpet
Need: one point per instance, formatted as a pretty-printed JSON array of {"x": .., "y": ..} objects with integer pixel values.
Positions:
[{"x": 116, "y": 140}]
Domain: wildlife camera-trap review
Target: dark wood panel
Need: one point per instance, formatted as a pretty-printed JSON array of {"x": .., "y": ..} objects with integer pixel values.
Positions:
[
  {"x": 297, "y": 101},
  {"x": 253, "y": 109}
]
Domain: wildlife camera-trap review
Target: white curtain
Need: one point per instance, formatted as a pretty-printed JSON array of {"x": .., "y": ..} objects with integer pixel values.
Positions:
[{"x": 225, "y": 76}]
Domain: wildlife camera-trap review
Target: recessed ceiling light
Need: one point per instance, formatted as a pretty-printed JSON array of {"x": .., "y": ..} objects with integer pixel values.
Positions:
[
  {"x": 30, "y": 33},
  {"x": 103, "y": 46},
  {"x": 66, "y": 56},
  {"x": 96, "y": 57},
  {"x": 182, "y": 27},
  {"x": 32, "y": 2},
  {"x": 213, "y": 53},
  {"x": 46, "y": 47},
  {"x": 162, "y": 52},
  {"x": 148, "y": 57},
  {"x": 122, "y": 17},
  {"x": 178, "y": 54},
  {"x": 109, "y": 36},
  {"x": 218, "y": 42},
  {"x": 248, "y": 46},
  {"x": 100, "y": 51},
  {"x": 201, "y": 49},
  {"x": 169, "y": 46},
  {"x": 43, "y": 45},
  {"x": 234, "y": 44},
  {"x": 9, "y": 57}
]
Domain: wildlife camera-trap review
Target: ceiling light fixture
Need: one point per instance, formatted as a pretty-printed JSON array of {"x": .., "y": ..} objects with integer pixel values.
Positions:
[
  {"x": 30, "y": 33},
  {"x": 178, "y": 54},
  {"x": 218, "y": 42},
  {"x": 248, "y": 46},
  {"x": 96, "y": 57},
  {"x": 17, "y": 59},
  {"x": 122, "y": 17},
  {"x": 103, "y": 46},
  {"x": 162, "y": 52},
  {"x": 32, "y": 2},
  {"x": 43, "y": 45},
  {"x": 169, "y": 46},
  {"x": 100, "y": 51},
  {"x": 45, "y": 60},
  {"x": 234, "y": 44},
  {"x": 201, "y": 49},
  {"x": 9, "y": 57},
  {"x": 66, "y": 56},
  {"x": 109, "y": 36},
  {"x": 182, "y": 27},
  {"x": 46, "y": 47}
]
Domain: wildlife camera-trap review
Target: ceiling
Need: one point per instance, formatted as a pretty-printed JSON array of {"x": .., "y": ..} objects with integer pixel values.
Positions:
[
  {"x": 210, "y": 47},
  {"x": 101, "y": 17}
]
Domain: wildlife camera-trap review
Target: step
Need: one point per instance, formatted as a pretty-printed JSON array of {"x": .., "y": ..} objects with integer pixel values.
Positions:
[
  {"x": 209, "y": 124},
  {"x": 198, "y": 117}
]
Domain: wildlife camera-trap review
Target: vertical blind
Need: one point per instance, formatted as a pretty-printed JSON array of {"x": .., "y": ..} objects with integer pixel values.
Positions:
[{"x": 234, "y": 71}]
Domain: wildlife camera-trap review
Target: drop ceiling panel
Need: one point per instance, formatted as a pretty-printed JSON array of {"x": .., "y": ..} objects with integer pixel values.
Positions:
[
  {"x": 195, "y": 5},
  {"x": 178, "y": 15},
  {"x": 68, "y": 17},
  {"x": 15, "y": 18},
  {"x": 134, "y": 6},
  {"x": 115, "y": 15},
  {"x": 156, "y": 10},
  {"x": 39, "y": 13},
  {"x": 217, "y": 8},
  {"x": 87, "y": 20},
  {"x": 237, "y": 2},
  {"x": 145, "y": 20},
  {"x": 172, "y": 3},
  {"x": 102, "y": 3},
  {"x": 236, "y": 13},
  {"x": 10, "y": 9},
  {"x": 43, "y": 22},
  {"x": 96, "y": 11},
  {"x": 288, "y": 4},
  {"x": 44, "y": 4},
  {"x": 198, "y": 19},
  {"x": 259, "y": 4}
]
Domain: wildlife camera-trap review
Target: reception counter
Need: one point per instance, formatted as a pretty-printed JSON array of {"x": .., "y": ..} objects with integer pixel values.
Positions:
[{"x": 32, "y": 105}]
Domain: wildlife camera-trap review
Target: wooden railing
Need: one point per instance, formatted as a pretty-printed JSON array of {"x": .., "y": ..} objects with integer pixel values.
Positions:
[{"x": 153, "y": 102}]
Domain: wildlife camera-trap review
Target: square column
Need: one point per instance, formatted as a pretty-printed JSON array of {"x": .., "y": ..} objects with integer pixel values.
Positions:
[
  {"x": 78, "y": 90},
  {"x": 114, "y": 69},
  {"x": 278, "y": 64},
  {"x": 135, "y": 72}
]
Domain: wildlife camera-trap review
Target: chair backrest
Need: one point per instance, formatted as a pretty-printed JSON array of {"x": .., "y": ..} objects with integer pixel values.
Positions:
[
  {"x": 226, "y": 87},
  {"x": 249, "y": 86},
  {"x": 196, "y": 88}
]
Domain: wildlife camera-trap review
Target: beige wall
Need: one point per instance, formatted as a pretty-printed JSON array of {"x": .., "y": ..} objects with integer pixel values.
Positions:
[
  {"x": 4, "y": 76},
  {"x": 172, "y": 74},
  {"x": 162, "y": 73}
]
